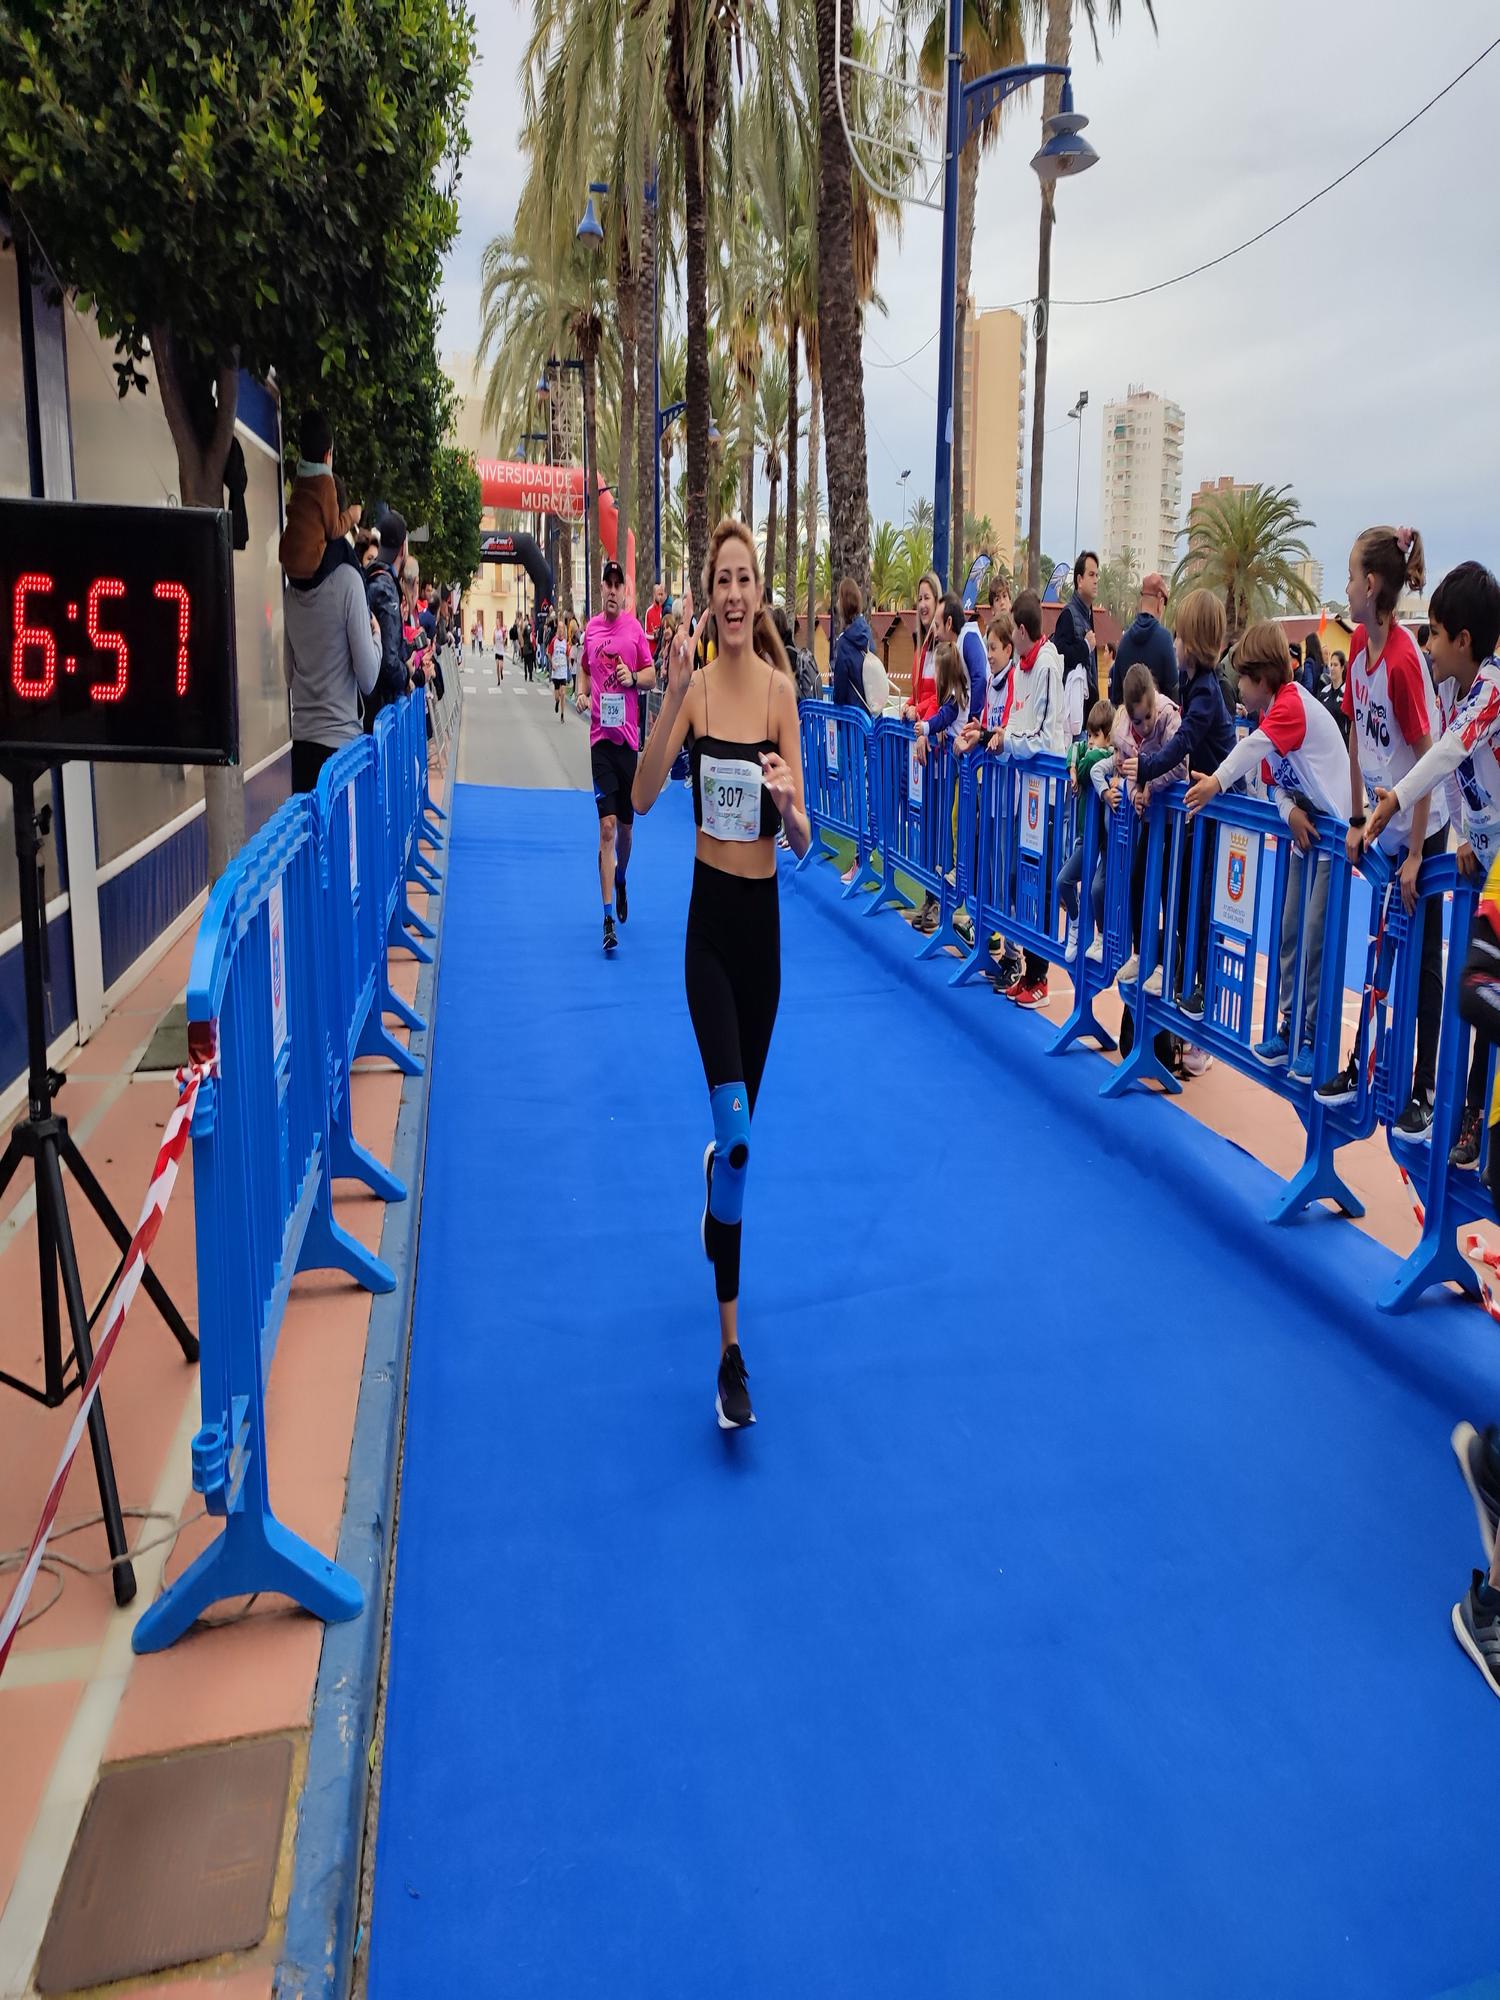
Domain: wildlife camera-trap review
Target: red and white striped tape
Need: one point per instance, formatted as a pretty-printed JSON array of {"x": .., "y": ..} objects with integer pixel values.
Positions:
[
  {"x": 158, "y": 1194},
  {"x": 1478, "y": 1252}
]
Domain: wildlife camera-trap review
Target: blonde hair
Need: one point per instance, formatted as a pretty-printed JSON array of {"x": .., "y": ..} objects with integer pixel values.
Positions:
[
  {"x": 1395, "y": 557},
  {"x": 935, "y": 584},
  {"x": 952, "y": 675},
  {"x": 1201, "y": 626},
  {"x": 764, "y": 637}
]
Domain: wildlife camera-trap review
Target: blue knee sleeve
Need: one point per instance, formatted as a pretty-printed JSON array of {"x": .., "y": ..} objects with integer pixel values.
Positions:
[{"x": 730, "y": 1103}]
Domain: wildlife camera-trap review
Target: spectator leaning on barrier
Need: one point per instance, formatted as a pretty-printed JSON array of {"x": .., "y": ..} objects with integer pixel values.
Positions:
[
  {"x": 1073, "y": 634},
  {"x": 1149, "y": 640},
  {"x": 1465, "y": 630},
  {"x": 1085, "y": 758},
  {"x": 924, "y": 672},
  {"x": 1147, "y": 723},
  {"x": 1302, "y": 761},
  {"x": 383, "y": 590},
  {"x": 849, "y": 650},
  {"x": 1392, "y": 709},
  {"x": 331, "y": 657},
  {"x": 1037, "y": 725},
  {"x": 317, "y": 514}
]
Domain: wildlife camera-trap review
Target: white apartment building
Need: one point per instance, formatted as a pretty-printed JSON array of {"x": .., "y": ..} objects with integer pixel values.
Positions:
[{"x": 1141, "y": 483}]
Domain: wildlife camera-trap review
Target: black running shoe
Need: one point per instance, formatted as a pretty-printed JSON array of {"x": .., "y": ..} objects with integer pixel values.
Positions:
[
  {"x": 1476, "y": 1623},
  {"x": 1464, "y": 1152},
  {"x": 1416, "y": 1118},
  {"x": 732, "y": 1404},
  {"x": 622, "y": 901},
  {"x": 1343, "y": 1088},
  {"x": 1193, "y": 1003},
  {"x": 611, "y": 936},
  {"x": 1478, "y": 1455}
]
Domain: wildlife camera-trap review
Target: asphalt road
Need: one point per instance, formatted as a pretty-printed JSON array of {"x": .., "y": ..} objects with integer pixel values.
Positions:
[{"x": 511, "y": 735}]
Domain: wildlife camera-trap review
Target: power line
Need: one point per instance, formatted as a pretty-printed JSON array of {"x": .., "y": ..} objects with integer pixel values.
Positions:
[
  {"x": 1120, "y": 298},
  {"x": 901, "y": 368},
  {"x": 910, "y": 357}
]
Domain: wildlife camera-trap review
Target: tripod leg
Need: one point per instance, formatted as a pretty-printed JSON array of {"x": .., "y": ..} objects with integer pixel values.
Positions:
[
  {"x": 50, "y": 1196},
  {"x": 13, "y": 1158},
  {"x": 109, "y": 1215}
]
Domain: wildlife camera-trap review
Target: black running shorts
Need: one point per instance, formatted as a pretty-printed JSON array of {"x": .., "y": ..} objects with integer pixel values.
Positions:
[{"x": 613, "y": 766}]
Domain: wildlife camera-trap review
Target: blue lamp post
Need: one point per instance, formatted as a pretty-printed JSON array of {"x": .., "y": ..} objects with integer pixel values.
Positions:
[{"x": 1063, "y": 152}]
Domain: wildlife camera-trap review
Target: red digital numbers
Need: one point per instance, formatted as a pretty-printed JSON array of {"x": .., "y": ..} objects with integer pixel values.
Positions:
[
  {"x": 107, "y": 642},
  {"x": 176, "y": 593},
  {"x": 32, "y": 639}
]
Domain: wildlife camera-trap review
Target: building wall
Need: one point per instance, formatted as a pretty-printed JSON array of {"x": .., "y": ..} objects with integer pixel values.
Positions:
[
  {"x": 994, "y": 406},
  {"x": 1141, "y": 483}
]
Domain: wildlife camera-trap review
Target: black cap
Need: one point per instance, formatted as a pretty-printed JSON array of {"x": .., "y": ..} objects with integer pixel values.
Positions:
[
  {"x": 613, "y": 572},
  {"x": 393, "y": 531}
]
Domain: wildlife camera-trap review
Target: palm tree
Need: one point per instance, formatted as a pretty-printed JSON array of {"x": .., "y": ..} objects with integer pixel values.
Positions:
[
  {"x": 921, "y": 515},
  {"x": 885, "y": 567},
  {"x": 673, "y": 373},
  {"x": 839, "y": 315},
  {"x": 1248, "y": 545},
  {"x": 914, "y": 561},
  {"x": 1059, "y": 49},
  {"x": 771, "y": 425},
  {"x": 979, "y": 536}
]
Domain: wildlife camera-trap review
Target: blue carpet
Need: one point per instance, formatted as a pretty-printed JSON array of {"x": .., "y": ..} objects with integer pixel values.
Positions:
[{"x": 1075, "y": 1620}]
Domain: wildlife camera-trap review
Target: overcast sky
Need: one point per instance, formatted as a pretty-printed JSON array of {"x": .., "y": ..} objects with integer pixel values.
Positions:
[{"x": 1353, "y": 354}]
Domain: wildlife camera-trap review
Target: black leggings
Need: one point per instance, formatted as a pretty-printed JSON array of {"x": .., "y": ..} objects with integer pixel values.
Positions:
[{"x": 732, "y": 966}]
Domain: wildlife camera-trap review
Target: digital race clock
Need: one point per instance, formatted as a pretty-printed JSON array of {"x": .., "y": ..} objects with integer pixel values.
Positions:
[{"x": 116, "y": 633}]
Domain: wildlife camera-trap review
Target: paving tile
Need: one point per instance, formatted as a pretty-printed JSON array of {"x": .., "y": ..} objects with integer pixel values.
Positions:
[{"x": 33, "y": 1723}]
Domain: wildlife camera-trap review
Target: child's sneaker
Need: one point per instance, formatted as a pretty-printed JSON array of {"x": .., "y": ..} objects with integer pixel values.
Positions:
[
  {"x": 1275, "y": 1049},
  {"x": 1129, "y": 971},
  {"x": 1192, "y": 1003},
  {"x": 1476, "y": 1626},
  {"x": 1300, "y": 1068},
  {"x": 1007, "y": 974},
  {"x": 1464, "y": 1151},
  {"x": 1030, "y": 996},
  {"x": 1095, "y": 952},
  {"x": 1195, "y": 1062},
  {"x": 963, "y": 923},
  {"x": 849, "y": 874},
  {"x": 1342, "y": 1088},
  {"x": 1155, "y": 982},
  {"x": 1070, "y": 949},
  {"x": 927, "y": 919}
]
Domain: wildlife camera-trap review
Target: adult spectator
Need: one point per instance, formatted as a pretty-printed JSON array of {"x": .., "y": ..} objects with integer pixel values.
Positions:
[
  {"x": 383, "y": 588},
  {"x": 331, "y": 657},
  {"x": 1073, "y": 634},
  {"x": 1314, "y": 673},
  {"x": 654, "y": 610},
  {"x": 853, "y": 642},
  {"x": 1331, "y": 695},
  {"x": 1149, "y": 641}
]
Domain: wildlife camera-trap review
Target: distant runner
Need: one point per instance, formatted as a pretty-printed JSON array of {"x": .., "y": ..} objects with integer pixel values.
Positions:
[
  {"x": 616, "y": 663},
  {"x": 560, "y": 669}
]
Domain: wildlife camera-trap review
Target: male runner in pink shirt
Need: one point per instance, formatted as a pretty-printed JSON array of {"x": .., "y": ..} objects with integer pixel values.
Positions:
[{"x": 616, "y": 664}]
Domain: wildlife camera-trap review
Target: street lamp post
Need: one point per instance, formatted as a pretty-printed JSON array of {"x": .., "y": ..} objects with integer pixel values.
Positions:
[
  {"x": 902, "y": 483},
  {"x": 1063, "y": 152},
  {"x": 1077, "y": 414}
]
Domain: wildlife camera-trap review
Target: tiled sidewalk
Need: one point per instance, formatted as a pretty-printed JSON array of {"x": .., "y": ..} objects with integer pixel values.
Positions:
[{"x": 74, "y": 1699}]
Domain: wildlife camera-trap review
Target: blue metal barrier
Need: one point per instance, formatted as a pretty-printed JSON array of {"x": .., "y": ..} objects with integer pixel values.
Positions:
[
  {"x": 1101, "y": 950},
  {"x": 916, "y": 807},
  {"x": 836, "y": 783},
  {"x": 1245, "y": 878},
  {"x": 1451, "y": 1196},
  {"x": 1021, "y": 810},
  {"x": 420, "y": 873},
  {"x": 347, "y": 803},
  {"x": 397, "y": 786},
  {"x": 264, "y": 1211}
]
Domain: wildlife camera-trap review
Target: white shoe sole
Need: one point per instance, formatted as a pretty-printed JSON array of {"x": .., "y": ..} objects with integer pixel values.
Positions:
[
  {"x": 708, "y": 1153},
  {"x": 1461, "y": 1633},
  {"x": 1463, "y": 1435},
  {"x": 724, "y": 1422}
]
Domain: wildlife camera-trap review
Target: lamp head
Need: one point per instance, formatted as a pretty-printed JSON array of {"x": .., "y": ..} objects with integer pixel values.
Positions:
[
  {"x": 590, "y": 230},
  {"x": 1064, "y": 152}
]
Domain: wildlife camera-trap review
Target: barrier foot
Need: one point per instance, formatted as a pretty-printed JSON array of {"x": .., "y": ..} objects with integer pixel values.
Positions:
[
  {"x": 431, "y": 834},
  {"x": 1314, "y": 1180},
  {"x": 867, "y": 879},
  {"x": 348, "y": 1160},
  {"x": 1433, "y": 1262},
  {"x": 945, "y": 935},
  {"x": 415, "y": 923},
  {"x": 328, "y": 1247},
  {"x": 254, "y": 1553},
  {"x": 887, "y": 897},
  {"x": 977, "y": 963},
  {"x": 1082, "y": 1021},
  {"x": 389, "y": 1001},
  {"x": 395, "y": 935},
  {"x": 818, "y": 849},
  {"x": 376, "y": 1039},
  {"x": 1142, "y": 1065},
  {"x": 431, "y": 805},
  {"x": 422, "y": 875}
]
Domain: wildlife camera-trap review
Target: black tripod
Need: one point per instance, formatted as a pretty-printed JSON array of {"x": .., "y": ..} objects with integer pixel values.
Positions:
[{"x": 42, "y": 1137}]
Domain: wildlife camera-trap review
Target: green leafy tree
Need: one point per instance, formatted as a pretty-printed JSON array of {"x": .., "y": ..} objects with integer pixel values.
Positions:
[
  {"x": 207, "y": 180},
  {"x": 455, "y": 518},
  {"x": 913, "y": 562},
  {"x": 1247, "y": 546},
  {"x": 1118, "y": 591},
  {"x": 885, "y": 567}
]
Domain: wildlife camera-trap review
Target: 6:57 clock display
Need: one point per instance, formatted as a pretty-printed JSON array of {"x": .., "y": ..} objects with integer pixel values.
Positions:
[{"x": 116, "y": 633}]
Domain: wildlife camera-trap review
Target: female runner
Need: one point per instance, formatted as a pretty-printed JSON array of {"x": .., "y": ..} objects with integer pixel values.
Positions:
[{"x": 746, "y": 757}]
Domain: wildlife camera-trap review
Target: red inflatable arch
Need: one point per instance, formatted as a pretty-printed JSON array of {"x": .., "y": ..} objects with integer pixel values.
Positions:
[{"x": 553, "y": 489}]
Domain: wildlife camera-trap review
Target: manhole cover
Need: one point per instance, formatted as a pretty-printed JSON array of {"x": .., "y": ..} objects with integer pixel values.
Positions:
[{"x": 174, "y": 1861}]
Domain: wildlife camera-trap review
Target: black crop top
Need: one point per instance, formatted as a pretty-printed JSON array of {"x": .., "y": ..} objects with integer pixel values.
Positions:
[{"x": 720, "y": 746}]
